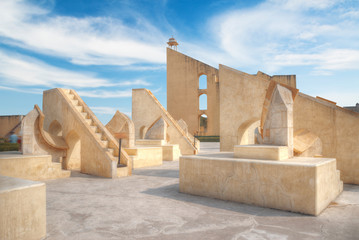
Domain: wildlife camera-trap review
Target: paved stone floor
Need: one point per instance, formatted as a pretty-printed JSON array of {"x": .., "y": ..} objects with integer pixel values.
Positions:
[{"x": 148, "y": 205}]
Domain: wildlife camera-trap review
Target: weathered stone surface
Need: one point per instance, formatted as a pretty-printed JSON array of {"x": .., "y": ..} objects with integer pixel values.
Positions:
[
  {"x": 277, "y": 117},
  {"x": 305, "y": 185},
  {"x": 121, "y": 125},
  {"x": 146, "y": 109},
  {"x": 31, "y": 167},
  {"x": 37, "y": 141},
  {"x": 145, "y": 156},
  {"x": 306, "y": 144},
  {"x": 183, "y": 93},
  {"x": 92, "y": 148},
  {"x": 260, "y": 151},
  {"x": 158, "y": 130},
  {"x": 22, "y": 209}
]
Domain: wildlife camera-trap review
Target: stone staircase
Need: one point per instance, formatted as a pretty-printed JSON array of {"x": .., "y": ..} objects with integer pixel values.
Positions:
[
  {"x": 195, "y": 145},
  {"x": 108, "y": 143}
]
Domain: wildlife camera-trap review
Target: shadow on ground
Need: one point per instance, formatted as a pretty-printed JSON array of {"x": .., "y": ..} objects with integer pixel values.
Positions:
[{"x": 172, "y": 192}]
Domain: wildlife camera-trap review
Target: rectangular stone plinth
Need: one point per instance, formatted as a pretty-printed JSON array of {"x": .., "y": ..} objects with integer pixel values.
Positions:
[
  {"x": 263, "y": 152},
  {"x": 22, "y": 209},
  {"x": 171, "y": 152},
  {"x": 150, "y": 142},
  {"x": 31, "y": 167},
  {"x": 304, "y": 185},
  {"x": 145, "y": 156}
]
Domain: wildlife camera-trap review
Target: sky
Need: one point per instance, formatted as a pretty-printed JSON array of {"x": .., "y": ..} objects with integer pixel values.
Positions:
[{"x": 105, "y": 48}]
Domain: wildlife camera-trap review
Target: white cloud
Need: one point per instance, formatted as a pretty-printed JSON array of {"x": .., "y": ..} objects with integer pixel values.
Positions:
[
  {"x": 105, "y": 93},
  {"x": 84, "y": 41},
  {"x": 134, "y": 82},
  {"x": 107, "y": 110},
  {"x": 281, "y": 33},
  {"x": 20, "y": 70}
]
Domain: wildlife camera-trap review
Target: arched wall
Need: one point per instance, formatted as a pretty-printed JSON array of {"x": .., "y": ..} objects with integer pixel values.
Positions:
[
  {"x": 184, "y": 75},
  {"x": 55, "y": 128},
  {"x": 246, "y": 132}
]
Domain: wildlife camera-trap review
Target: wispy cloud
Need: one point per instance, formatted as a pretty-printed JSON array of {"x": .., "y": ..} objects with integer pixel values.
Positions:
[
  {"x": 105, "y": 93},
  {"x": 321, "y": 34},
  {"x": 107, "y": 110},
  {"x": 84, "y": 41},
  {"x": 21, "y": 70}
]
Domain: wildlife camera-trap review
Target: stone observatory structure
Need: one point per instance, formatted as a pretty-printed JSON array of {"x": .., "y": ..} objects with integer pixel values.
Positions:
[
  {"x": 234, "y": 110},
  {"x": 266, "y": 174},
  {"x": 154, "y": 124}
]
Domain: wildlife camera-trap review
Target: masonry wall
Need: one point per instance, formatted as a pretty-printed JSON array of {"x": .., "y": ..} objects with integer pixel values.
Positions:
[
  {"x": 241, "y": 101},
  {"x": 338, "y": 128},
  {"x": 7, "y": 123},
  {"x": 183, "y": 92}
]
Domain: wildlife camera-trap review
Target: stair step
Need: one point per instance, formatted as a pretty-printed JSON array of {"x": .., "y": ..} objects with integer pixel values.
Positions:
[
  {"x": 71, "y": 96},
  {"x": 89, "y": 121},
  {"x": 84, "y": 114},
  {"x": 79, "y": 108},
  {"x": 75, "y": 102},
  {"x": 110, "y": 150},
  {"x": 94, "y": 128},
  {"x": 105, "y": 143},
  {"x": 122, "y": 172}
]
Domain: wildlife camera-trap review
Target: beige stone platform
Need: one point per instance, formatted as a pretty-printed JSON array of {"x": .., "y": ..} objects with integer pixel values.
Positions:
[
  {"x": 22, "y": 209},
  {"x": 263, "y": 152},
  {"x": 150, "y": 142},
  {"x": 304, "y": 185},
  {"x": 31, "y": 167},
  {"x": 170, "y": 152},
  {"x": 145, "y": 156}
]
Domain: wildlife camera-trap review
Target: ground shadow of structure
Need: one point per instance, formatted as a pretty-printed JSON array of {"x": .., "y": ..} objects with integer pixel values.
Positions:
[{"x": 172, "y": 192}]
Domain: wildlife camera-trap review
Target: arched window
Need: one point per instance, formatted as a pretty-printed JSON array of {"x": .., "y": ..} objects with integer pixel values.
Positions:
[
  {"x": 202, "y": 82},
  {"x": 203, "y": 122},
  {"x": 203, "y": 102}
]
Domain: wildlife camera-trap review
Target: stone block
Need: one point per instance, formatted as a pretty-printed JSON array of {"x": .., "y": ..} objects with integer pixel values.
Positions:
[
  {"x": 31, "y": 167},
  {"x": 304, "y": 185},
  {"x": 264, "y": 152},
  {"x": 22, "y": 209},
  {"x": 145, "y": 156},
  {"x": 171, "y": 152},
  {"x": 150, "y": 142}
]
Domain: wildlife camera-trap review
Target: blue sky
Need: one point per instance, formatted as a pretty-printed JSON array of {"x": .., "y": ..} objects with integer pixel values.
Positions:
[{"x": 103, "y": 49}]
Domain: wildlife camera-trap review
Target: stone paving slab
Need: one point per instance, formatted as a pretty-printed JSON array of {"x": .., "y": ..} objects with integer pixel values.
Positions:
[{"x": 148, "y": 205}]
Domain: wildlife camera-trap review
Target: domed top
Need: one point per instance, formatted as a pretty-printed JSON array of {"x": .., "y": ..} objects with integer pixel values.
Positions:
[{"x": 172, "y": 42}]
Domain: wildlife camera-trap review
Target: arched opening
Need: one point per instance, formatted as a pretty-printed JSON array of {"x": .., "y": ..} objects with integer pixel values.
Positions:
[
  {"x": 202, "y": 81},
  {"x": 73, "y": 157},
  {"x": 247, "y": 132},
  {"x": 55, "y": 128},
  {"x": 203, "y": 123},
  {"x": 143, "y": 131},
  {"x": 203, "y": 102}
]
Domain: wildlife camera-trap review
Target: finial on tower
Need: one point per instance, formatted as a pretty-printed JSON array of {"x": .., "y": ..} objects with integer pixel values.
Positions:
[{"x": 172, "y": 43}]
